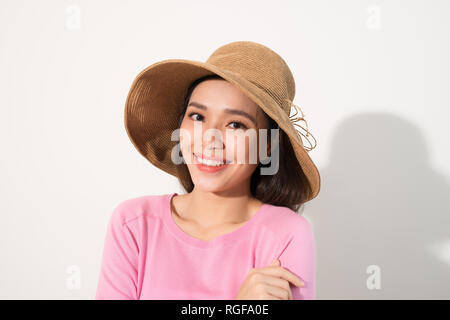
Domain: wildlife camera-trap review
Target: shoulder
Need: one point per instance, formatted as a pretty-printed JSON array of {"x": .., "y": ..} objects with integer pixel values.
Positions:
[
  {"x": 138, "y": 207},
  {"x": 287, "y": 224}
]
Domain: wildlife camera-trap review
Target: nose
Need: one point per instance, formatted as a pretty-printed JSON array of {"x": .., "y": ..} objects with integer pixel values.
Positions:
[{"x": 212, "y": 138}]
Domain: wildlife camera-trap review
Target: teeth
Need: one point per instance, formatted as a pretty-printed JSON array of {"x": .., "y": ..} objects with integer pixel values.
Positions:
[{"x": 207, "y": 162}]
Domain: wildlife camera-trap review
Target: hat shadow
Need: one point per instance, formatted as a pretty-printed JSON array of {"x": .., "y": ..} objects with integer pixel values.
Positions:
[{"x": 381, "y": 203}]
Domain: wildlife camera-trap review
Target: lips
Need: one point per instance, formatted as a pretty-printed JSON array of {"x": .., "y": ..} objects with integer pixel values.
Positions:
[
  {"x": 224, "y": 161},
  {"x": 208, "y": 168}
]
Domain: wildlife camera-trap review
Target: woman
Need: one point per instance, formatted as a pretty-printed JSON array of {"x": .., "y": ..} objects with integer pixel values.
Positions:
[{"x": 234, "y": 234}]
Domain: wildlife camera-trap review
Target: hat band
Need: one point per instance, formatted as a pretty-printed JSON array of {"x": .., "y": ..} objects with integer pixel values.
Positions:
[{"x": 295, "y": 119}]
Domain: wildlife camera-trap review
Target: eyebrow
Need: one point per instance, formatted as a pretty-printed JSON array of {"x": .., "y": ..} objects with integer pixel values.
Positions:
[{"x": 227, "y": 110}]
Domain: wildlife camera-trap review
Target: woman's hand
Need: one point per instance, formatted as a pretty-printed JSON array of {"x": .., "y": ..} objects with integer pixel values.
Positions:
[{"x": 268, "y": 283}]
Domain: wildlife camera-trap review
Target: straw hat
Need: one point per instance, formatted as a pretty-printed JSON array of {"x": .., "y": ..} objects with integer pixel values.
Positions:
[{"x": 157, "y": 95}]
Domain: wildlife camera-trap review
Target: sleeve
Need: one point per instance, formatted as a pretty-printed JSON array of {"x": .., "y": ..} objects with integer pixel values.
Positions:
[
  {"x": 118, "y": 272},
  {"x": 299, "y": 257}
]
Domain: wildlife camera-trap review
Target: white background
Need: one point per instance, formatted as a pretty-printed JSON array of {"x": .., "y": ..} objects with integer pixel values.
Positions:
[{"x": 372, "y": 78}]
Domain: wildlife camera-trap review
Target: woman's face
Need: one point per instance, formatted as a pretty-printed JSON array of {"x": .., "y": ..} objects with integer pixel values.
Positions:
[{"x": 217, "y": 113}]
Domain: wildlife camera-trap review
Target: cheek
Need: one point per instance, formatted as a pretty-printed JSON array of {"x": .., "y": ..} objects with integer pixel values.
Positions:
[
  {"x": 245, "y": 149},
  {"x": 186, "y": 136}
]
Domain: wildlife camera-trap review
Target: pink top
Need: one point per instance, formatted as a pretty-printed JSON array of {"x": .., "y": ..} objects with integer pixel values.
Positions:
[{"x": 147, "y": 255}]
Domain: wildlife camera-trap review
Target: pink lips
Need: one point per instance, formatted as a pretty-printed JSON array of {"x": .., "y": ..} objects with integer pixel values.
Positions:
[
  {"x": 209, "y": 169},
  {"x": 210, "y": 158}
]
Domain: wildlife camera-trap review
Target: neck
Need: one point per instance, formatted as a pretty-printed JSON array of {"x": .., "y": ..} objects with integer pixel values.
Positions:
[{"x": 209, "y": 209}]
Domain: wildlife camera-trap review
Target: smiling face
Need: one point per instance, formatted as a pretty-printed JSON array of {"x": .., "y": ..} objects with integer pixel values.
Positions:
[{"x": 228, "y": 124}]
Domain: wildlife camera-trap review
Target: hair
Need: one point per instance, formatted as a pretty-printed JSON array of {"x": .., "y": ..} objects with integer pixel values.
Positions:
[{"x": 289, "y": 187}]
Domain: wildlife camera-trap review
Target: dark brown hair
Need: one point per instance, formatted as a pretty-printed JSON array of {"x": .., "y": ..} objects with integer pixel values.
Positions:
[{"x": 289, "y": 187}]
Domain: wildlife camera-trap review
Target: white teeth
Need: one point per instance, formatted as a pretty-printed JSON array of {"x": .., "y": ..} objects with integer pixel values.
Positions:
[{"x": 207, "y": 162}]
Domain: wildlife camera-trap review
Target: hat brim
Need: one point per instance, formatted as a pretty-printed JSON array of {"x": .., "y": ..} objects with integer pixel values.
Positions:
[{"x": 158, "y": 93}]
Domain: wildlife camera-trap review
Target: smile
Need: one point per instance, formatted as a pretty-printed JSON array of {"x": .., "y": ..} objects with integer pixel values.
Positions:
[{"x": 209, "y": 165}]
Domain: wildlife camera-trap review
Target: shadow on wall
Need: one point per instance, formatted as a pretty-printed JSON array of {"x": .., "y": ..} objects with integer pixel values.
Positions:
[{"x": 381, "y": 204}]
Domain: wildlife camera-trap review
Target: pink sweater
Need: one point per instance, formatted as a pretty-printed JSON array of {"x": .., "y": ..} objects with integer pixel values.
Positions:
[{"x": 147, "y": 255}]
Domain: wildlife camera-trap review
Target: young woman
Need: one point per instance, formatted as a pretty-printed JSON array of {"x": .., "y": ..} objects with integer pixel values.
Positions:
[{"x": 235, "y": 233}]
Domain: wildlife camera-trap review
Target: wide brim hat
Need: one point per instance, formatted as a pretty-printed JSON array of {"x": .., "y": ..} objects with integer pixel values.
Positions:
[{"x": 158, "y": 92}]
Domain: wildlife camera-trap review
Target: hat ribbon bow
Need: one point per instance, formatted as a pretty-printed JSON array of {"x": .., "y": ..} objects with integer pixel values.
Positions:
[{"x": 295, "y": 119}]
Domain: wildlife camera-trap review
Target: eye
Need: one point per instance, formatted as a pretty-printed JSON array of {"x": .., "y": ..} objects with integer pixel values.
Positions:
[
  {"x": 194, "y": 113},
  {"x": 240, "y": 125}
]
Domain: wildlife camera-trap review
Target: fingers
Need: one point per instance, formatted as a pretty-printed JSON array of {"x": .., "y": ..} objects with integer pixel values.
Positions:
[
  {"x": 271, "y": 284},
  {"x": 277, "y": 292},
  {"x": 279, "y": 283},
  {"x": 271, "y": 297},
  {"x": 275, "y": 262},
  {"x": 277, "y": 271}
]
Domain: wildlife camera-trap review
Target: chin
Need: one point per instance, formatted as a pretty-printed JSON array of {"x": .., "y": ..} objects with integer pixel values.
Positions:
[{"x": 208, "y": 187}]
